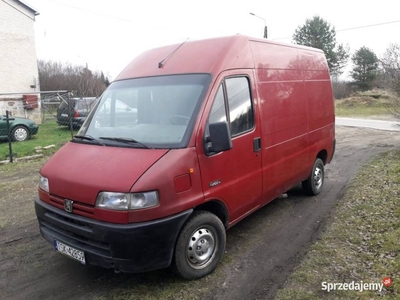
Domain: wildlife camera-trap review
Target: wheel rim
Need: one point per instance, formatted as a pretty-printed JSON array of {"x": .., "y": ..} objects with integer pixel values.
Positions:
[
  {"x": 201, "y": 247},
  {"x": 20, "y": 134},
  {"x": 318, "y": 177}
]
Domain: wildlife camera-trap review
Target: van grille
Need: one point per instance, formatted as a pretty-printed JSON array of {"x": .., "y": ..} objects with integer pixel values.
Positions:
[
  {"x": 79, "y": 208},
  {"x": 74, "y": 239}
]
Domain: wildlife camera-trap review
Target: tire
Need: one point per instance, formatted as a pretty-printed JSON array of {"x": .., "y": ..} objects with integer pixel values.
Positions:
[
  {"x": 313, "y": 184},
  {"x": 20, "y": 133},
  {"x": 200, "y": 246}
]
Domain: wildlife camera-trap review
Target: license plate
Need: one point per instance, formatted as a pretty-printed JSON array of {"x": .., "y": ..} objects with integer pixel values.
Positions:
[
  {"x": 64, "y": 115},
  {"x": 70, "y": 252}
]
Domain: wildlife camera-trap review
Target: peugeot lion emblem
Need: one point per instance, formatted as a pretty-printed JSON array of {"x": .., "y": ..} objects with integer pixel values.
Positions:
[{"x": 68, "y": 205}]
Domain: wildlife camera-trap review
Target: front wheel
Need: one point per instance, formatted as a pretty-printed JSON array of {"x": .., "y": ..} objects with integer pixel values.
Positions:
[
  {"x": 20, "y": 133},
  {"x": 200, "y": 245},
  {"x": 313, "y": 184}
]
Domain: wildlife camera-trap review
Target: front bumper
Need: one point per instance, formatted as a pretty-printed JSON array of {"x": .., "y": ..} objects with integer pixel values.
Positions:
[
  {"x": 76, "y": 121},
  {"x": 136, "y": 247}
]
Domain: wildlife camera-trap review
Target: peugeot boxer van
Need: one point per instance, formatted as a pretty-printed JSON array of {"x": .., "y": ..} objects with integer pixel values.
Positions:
[{"x": 220, "y": 128}]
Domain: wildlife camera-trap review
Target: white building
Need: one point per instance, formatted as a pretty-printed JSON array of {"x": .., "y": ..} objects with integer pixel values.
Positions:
[{"x": 18, "y": 61}]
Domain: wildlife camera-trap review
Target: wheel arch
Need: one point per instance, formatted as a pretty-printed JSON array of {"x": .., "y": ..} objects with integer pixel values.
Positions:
[
  {"x": 323, "y": 155},
  {"x": 13, "y": 126},
  {"x": 217, "y": 208}
]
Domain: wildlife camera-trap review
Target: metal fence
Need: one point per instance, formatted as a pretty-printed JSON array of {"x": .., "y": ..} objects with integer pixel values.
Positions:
[
  {"x": 71, "y": 112},
  {"x": 48, "y": 112},
  {"x": 21, "y": 114}
]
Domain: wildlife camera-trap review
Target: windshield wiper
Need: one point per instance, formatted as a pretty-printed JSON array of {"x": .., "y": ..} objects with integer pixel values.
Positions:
[
  {"x": 124, "y": 140},
  {"x": 88, "y": 138}
]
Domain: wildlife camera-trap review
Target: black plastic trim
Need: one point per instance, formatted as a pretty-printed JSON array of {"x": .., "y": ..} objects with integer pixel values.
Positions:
[{"x": 134, "y": 247}]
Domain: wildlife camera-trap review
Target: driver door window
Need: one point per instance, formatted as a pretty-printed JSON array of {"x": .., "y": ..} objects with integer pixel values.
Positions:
[{"x": 234, "y": 93}]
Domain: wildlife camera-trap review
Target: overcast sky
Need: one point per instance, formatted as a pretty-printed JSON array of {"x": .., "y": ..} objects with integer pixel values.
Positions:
[{"x": 107, "y": 35}]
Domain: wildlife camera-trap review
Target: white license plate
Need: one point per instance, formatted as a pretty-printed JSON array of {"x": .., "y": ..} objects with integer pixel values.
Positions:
[
  {"x": 70, "y": 252},
  {"x": 64, "y": 115}
]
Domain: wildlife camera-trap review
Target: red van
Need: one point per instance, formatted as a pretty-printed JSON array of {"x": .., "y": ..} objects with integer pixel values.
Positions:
[{"x": 187, "y": 141}]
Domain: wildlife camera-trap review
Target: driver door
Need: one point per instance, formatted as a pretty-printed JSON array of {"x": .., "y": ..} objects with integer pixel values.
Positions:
[{"x": 234, "y": 176}]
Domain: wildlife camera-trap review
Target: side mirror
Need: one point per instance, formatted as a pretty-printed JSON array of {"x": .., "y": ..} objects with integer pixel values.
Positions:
[{"x": 220, "y": 137}]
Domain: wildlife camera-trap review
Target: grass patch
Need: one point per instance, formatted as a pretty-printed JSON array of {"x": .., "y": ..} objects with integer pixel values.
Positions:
[
  {"x": 363, "y": 105},
  {"x": 49, "y": 134},
  {"x": 362, "y": 241}
]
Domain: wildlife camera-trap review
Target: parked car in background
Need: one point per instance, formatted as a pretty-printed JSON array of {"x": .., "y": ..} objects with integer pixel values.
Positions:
[
  {"x": 124, "y": 114},
  {"x": 73, "y": 111},
  {"x": 21, "y": 129}
]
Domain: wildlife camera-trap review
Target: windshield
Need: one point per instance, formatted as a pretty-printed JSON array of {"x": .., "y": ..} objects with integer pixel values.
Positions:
[{"x": 153, "y": 112}]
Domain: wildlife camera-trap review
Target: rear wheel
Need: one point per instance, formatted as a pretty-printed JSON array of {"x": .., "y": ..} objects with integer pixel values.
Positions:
[
  {"x": 313, "y": 185},
  {"x": 20, "y": 133},
  {"x": 200, "y": 245}
]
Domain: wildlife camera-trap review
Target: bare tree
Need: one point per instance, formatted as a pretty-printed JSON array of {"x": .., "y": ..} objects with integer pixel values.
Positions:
[
  {"x": 390, "y": 74},
  {"x": 59, "y": 76}
]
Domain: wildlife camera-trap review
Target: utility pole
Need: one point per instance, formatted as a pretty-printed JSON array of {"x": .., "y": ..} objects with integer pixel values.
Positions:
[{"x": 265, "y": 25}]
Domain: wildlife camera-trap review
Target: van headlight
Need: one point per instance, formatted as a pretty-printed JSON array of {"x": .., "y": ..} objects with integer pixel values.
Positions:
[
  {"x": 127, "y": 201},
  {"x": 44, "y": 183}
]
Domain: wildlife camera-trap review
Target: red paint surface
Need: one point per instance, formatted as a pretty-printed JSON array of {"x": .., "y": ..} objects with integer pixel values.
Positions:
[{"x": 294, "y": 117}]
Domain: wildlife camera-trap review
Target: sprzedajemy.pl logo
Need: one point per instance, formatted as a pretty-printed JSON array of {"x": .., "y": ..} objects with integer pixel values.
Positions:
[{"x": 356, "y": 286}]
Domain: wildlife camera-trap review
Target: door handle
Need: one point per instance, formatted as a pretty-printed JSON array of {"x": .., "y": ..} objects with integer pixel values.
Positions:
[{"x": 257, "y": 144}]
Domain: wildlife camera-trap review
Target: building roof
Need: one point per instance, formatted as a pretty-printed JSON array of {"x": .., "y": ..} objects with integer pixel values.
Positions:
[{"x": 25, "y": 5}]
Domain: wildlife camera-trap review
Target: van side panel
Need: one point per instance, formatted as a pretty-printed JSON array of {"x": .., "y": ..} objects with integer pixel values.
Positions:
[
  {"x": 318, "y": 89},
  {"x": 283, "y": 109}
]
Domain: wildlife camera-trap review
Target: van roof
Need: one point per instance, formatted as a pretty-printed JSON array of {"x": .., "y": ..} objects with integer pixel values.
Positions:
[{"x": 202, "y": 56}]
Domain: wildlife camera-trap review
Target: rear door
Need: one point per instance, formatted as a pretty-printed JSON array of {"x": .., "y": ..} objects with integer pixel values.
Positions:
[
  {"x": 84, "y": 106},
  {"x": 65, "y": 111},
  {"x": 234, "y": 176}
]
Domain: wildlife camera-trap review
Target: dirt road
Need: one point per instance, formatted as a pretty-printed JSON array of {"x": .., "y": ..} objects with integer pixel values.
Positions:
[
  {"x": 261, "y": 252},
  {"x": 367, "y": 123}
]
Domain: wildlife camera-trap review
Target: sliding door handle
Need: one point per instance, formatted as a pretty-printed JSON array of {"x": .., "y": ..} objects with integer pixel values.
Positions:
[{"x": 257, "y": 144}]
